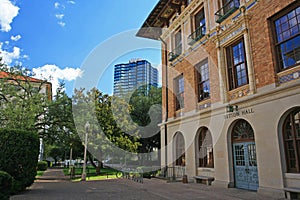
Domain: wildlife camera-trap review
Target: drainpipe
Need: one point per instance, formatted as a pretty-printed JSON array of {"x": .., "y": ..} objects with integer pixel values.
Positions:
[
  {"x": 165, "y": 58},
  {"x": 166, "y": 101}
]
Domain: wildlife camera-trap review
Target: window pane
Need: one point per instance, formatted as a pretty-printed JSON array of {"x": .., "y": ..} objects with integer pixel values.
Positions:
[
  {"x": 294, "y": 30},
  {"x": 292, "y": 14},
  {"x": 203, "y": 81},
  {"x": 205, "y": 148},
  {"x": 179, "y": 89},
  {"x": 238, "y": 75},
  {"x": 290, "y": 52},
  {"x": 200, "y": 26},
  {"x": 292, "y": 140}
]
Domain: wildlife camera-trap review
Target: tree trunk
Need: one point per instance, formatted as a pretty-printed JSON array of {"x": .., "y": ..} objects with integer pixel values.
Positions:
[{"x": 98, "y": 167}]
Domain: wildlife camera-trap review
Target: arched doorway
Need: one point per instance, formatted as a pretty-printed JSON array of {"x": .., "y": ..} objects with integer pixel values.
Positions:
[
  {"x": 178, "y": 169},
  {"x": 179, "y": 149},
  {"x": 244, "y": 156}
]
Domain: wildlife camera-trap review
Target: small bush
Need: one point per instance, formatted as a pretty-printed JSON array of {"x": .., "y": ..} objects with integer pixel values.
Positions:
[
  {"x": 42, "y": 165},
  {"x": 5, "y": 185},
  {"x": 19, "y": 152}
]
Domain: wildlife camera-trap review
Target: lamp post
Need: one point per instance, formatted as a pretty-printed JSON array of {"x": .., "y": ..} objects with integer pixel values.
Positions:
[{"x": 83, "y": 176}]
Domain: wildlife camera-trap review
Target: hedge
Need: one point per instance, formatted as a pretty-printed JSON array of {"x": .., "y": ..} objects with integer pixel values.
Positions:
[
  {"x": 42, "y": 165},
  {"x": 19, "y": 152},
  {"x": 5, "y": 185}
]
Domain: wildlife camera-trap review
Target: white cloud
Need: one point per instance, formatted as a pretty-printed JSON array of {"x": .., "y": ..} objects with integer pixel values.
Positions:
[
  {"x": 56, "y": 5},
  {"x": 6, "y": 42},
  {"x": 72, "y": 2},
  {"x": 15, "y": 38},
  {"x": 62, "y": 24},
  {"x": 9, "y": 57},
  {"x": 7, "y": 14},
  {"x": 59, "y": 16},
  {"x": 54, "y": 74}
]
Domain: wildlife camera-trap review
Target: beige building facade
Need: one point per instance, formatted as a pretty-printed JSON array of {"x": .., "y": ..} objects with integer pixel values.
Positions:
[{"x": 231, "y": 92}]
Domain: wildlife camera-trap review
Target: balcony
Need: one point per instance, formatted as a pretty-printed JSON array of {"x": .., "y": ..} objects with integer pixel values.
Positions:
[
  {"x": 196, "y": 35},
  {"x": 227, "y": 10},
  {"x": 175, "y": 53}
]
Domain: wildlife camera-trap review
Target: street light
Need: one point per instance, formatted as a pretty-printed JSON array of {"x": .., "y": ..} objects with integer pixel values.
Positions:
[{"x": 83, "y": 176}]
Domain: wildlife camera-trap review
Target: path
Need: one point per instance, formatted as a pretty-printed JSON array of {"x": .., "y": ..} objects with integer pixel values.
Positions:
[{"x": 53, "y": 185}]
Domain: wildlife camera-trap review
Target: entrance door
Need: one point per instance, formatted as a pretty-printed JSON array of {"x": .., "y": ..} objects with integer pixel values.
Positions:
[{"x": 245, "y": 165}]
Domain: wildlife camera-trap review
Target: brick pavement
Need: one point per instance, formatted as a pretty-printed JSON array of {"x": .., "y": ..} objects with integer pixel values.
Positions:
[{"x": 54, "y": 185}]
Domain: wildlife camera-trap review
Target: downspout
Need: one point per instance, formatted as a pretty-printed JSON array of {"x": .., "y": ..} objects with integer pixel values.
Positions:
[
  {"x": 166, "y": 101},
  {"x": 165, "y": 58}
]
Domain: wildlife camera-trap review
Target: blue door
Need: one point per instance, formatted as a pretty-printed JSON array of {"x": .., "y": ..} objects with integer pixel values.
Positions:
[{"x": 245, "y": 165}]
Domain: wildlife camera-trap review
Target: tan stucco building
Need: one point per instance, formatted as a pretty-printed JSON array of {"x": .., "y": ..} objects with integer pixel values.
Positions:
[{"x": 231, "y": 91}]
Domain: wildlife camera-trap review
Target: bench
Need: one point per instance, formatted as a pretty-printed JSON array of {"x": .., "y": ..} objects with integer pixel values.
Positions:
[
  {"x": 204, "y": 179},
  {"x": 292, "y": 193}
]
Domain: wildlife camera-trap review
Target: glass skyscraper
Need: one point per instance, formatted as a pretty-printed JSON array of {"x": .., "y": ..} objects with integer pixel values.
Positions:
[{"x": 130, "y": 76}]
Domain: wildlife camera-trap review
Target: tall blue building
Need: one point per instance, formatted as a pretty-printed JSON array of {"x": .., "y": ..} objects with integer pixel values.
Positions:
[{"x": 130, "y": 76}]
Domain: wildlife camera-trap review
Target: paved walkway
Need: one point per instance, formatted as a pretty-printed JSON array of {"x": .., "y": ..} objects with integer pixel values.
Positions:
[{"x": 53, "y": 185}]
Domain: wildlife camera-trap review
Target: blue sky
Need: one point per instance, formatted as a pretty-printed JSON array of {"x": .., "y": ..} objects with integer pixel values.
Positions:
[{"x": 58, "y": 37}]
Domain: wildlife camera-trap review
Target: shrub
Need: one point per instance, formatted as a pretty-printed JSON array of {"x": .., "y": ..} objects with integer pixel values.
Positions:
[
  {"x": 42, "y": 165},
  {"x": 5, "y": 185},
  {"x": 19, "y": 152}
]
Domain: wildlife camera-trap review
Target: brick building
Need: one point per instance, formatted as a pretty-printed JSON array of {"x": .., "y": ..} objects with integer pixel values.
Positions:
[{"x": 231, "y": 91}]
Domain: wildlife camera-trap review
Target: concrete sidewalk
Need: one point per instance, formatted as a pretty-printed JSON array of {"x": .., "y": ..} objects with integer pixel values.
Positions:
[{"x": 54, "y": 185}]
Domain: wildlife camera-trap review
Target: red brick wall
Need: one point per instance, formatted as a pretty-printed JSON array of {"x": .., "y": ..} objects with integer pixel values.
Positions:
[{"x": 260, "y": 34}]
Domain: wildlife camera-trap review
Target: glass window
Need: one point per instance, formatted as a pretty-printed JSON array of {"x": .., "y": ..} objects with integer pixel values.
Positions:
[
  {"x": 229, "y": 4},
  {"x": 205, "y": 148},
  {"x": 291, "y": 137},
  {"x": 236, "y": 64},
  {"x": 180, "y": 150},
  {"x": 203, "y": 84},
  {"x": 287, "y": 41},
  {"x": 178, "y": 43},
  {"x": 200, "y": 27},
  {"x": 179, "y": 92}
]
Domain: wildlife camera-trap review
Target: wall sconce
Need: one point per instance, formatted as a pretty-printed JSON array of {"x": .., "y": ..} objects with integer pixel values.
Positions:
[{"x": 232, "y": 108}]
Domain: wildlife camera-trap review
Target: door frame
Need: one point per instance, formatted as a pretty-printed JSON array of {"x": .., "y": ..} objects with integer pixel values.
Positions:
[{"x": 232, "y": 180}]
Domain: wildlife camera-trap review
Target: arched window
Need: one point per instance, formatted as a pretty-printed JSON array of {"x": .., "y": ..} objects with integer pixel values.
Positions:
[
  {"x": 205, "y": 148},
  {"x": 180, "y": 150},
  {"x": 242, "y": 132},
  {"x": 291, "y": 137}
]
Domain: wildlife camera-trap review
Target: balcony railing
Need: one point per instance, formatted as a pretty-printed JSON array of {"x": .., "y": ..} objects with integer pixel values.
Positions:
[
  {"x": 196, "y": 35},
  {"x": 175, "y": 53},
  {"x": 227, "y": 10}
]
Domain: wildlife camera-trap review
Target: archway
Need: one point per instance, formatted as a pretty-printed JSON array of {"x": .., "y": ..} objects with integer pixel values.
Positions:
[
  {"x": 244, "y": 156},
  {"x": 179, "y": 149},
  {"x": 204, "y": 148}
]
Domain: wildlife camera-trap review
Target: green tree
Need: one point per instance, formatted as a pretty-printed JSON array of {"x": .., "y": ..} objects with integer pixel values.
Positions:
[
  {"x": 146, "y": 112},
  {"x": 23, "y": 100},
  {"x": 110, "y": 127},
  {"x": 60, "y": 131}
]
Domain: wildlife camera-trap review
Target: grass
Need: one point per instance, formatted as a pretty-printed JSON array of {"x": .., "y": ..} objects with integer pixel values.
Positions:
[
  {"x": 105, "y": 173},
  {"x": 95, "y": 178},
  {"x": 39, "y": 173}
]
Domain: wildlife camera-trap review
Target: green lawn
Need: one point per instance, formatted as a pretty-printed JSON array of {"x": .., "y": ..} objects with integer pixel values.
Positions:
[
  {"x": 94, "y": 178},
  {"x": 39, "y": 173},
  {"x": 105, "y": 173}
]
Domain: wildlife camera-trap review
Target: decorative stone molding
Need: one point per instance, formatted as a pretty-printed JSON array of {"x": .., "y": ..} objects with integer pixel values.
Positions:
[
  {"x": 204, "y": 105},
  {"x": 289, "y": 75},
  {"x": 239, "y": 92}
]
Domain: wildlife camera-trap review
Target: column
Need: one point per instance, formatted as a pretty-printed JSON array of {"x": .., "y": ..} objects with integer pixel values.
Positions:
[
  {"x": 207, "y": 16},
  {"x": 249, "y": 63},
  {"x": 222, "y": 81}
]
